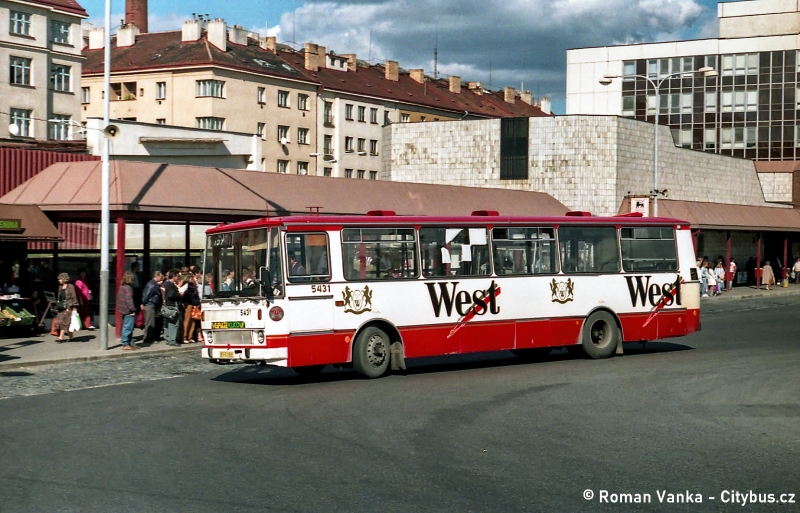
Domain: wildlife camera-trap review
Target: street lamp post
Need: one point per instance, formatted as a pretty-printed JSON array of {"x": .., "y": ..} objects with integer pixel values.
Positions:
[
  {"x": 104, "y": 213},
  {"x": 707, "y": 71}
]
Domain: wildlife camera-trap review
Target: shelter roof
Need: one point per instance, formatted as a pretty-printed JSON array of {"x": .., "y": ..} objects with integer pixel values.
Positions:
[
  {"x": 34, "y": 224},
  {"x": 723, "y": 216},
  {"x": 69, "y": 187}
]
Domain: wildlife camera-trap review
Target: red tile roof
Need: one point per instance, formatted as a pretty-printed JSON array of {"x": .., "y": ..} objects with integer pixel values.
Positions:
[{"x": 70, "y": 6}]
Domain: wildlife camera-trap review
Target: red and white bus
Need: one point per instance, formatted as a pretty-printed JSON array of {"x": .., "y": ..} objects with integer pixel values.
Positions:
[{"x": 370, "y": 291}]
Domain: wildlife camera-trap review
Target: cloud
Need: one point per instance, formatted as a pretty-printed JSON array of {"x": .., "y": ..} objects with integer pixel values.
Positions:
[{"x": 497, "y": 42}]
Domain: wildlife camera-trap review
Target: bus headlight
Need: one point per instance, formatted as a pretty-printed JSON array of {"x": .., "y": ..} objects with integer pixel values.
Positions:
[
  {"x": 210, "y": 337},
  {"x": 260, "y": 337},
  {"x": 276, "y": 313}
]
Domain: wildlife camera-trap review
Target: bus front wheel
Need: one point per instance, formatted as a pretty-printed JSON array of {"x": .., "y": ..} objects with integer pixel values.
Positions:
[
  {"x": 371, "y": 353},
  {"x": 600, "y": 335}
]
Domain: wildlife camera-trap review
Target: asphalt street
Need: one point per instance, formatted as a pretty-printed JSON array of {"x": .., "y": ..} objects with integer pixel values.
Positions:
[{"x": 712, "y": 416}]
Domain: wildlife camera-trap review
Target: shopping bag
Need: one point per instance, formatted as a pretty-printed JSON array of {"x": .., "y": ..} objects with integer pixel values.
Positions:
[
  {"x": 140, "y": 320},
  {"x": 197, "y": 314},
  {"x": 74, "y": 322}
]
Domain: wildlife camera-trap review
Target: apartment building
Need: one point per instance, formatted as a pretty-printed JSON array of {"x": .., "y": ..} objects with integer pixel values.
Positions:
[
  {"x": 750, "y": 110},
  {"x": 317, "y": 112},
  {"x": 40, "y": 55}
]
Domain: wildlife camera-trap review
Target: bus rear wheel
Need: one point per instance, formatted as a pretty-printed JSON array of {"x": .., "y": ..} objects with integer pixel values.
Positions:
[
  {"x": 371, "y": 353},
  {"x": 600, "y": 335},
  {"x": 308, "y": 370}
]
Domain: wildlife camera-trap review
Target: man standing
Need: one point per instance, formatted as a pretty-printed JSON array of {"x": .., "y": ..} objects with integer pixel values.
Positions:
[
  {"x": 151, "y": 302},
  {"x": 172, "y": 298}
]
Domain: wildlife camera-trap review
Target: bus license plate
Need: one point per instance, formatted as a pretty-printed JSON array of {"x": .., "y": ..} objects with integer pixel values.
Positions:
[
  {"x": 226, "y": 354},
  {"x": 227, "y": 325}
]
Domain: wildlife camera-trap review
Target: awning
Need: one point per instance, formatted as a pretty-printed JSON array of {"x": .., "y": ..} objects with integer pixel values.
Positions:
[
  {"x": 150, "y": 189},
  {"x": 26, "y": 223},
  {"x": 722, "y": 216}
]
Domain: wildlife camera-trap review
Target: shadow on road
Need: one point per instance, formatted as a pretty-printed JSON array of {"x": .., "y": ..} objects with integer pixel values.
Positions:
[{"x": 278, "y": 376}]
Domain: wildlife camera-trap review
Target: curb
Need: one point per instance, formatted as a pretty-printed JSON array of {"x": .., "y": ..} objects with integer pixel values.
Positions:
[
  {"x": 108, "y": 355},
  {"x": 759, "y": 293}
]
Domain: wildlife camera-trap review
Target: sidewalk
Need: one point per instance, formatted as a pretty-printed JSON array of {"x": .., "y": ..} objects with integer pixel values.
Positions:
[
  {"x": 35, "y": 350},
  {"x": 42, "y": 350}
]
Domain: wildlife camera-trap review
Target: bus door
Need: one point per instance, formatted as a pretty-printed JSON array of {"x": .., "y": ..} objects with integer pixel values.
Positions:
[{"x": 308, "y": 289}]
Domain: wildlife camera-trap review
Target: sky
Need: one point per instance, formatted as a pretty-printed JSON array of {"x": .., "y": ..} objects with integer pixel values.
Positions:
[{"x": 518, "y": 43}]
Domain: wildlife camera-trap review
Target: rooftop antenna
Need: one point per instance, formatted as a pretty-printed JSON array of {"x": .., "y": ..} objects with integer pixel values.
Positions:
[
  {"x": 369, "y": 57},
  {"x": 436, "y": 59}
]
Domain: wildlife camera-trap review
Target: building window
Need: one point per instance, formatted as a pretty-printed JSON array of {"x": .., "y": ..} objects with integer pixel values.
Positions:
[
  {"x": 327, "y": 110},
  {"x": 686, "y": 103},
  {"x": 711, "y": 102},
  {"x": 22, "y": 118},
  {"x": 348, "y": 144},
  {"x": 348, "y": 112},
  {"x": 283, "y": 166},
  {"x": 59, "y": 32},
  {"x": 628, "y": 105},
  {"x": 327, "y": 145},
  {"x": 373, "y": 147},
  {"x": 283, "y": 134},
  {"x": 161, "y": 90},
  {"x": 260, "y": 129},
  {"x": 362, "y": 145},
  {"x": 373, "y": 175},
  {"x": 361, "y": 174},
  {"x": 362, "y": 113},
  {"x": 20, "y": 23},
  {"x": 302, "y": 101},
  {"x": 20, "y": 71},
  {"x": 58, "y": 127},
  {"x": 302, "y": 168},
  {"x": 302, "y": 136},
  {"x": 710, "y": 139},
  {"x": 161, "y": 121},
  {"x": 422, "y": 118},
  {"x": 85, "y": 94},
  {"x": 628, "y": 70},
  {"x": 740, "y": 64},
  {"x": 651, "y": 105},
  {"x": 59, "y": 77},
  {"x": 210, "y": 123},
  {"x": 261, "y": 95},
  {"x": 386, "y": 120},
  {"x": 373, "y": 116},
  {"x": 404, "y": 118},
  {"x": 213, "y": 88},
  {"x": 750, "y": 137},
  {"x": 328, "y": 171},
  {"x": 348, "y": 173},
  {"x": 283, "y": 99},
  {"x": 514, "y": 148}
]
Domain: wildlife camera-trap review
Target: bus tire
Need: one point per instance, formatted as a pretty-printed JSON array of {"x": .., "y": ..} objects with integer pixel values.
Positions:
[
  {"x": 308, "y": 370},
  {"x": 600, "y": 335},
  {"x": 371, "y": 352}
]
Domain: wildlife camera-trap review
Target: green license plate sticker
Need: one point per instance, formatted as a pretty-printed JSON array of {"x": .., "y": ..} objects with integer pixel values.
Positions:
[{"x": 227, "y": 325}]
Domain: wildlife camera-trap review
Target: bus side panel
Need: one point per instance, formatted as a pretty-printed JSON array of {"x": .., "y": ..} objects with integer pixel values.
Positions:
[
  {"x": 486, "y": 336},
  {"x": 634, "y": 329},
  {"x": 319, "y": 349},
  {"x": 428, "y": 341},
  {"x": 565, "y": 331},
  {"x": 671, "y": 324},
  {"x": 533, "y": 333}
]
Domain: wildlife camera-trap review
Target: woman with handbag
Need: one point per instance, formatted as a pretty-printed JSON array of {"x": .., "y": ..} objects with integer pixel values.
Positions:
[
  {"x": 767, "y": 276},
  {"x": 191, "y": 300},
  {"x": 66, "y": 304},
  {"x": 172, "y": 309}
]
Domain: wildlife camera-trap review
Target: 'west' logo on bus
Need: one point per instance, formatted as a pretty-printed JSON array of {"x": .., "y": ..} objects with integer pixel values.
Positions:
[
  {"x": 642, "y": 291},
  {"x": 478, "y": 302}
]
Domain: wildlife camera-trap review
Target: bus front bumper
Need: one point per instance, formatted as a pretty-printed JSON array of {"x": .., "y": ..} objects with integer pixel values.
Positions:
[{"x": 277, "y": 356}]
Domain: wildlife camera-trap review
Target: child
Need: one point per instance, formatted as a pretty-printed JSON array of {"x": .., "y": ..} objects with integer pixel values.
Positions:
[{"x": 719, "y": 275}]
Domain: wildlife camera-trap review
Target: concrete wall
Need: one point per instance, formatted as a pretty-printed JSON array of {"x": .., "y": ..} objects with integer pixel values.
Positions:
[
  {"x": 777, "y": 187},
  {"x": 586, "y": 162},
  {"x": 758, "y": 18}
]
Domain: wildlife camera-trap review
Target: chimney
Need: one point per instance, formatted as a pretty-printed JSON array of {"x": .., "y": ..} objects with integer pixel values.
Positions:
[
  {"x": 545, "y": 106},
  {"x": 217, "y": 33},
  {"x": 417, "y": 75},
  {"x": 268, "y": 43},
  {"x": 136, "y": 14},
  {"x": 322, "y": 54},
  {"x": 392, "y": 71},
  {"x": 192, "y": 30},
  {"x": 126, "y": 36},
  {"x": 476, "y": 87},
  {"x": 311, "y": 53},
  {"x": 527, "y": 97},
  {"x": 237, "y": 35},
  {"x": 509, "y": 94},
  {"x": 455, "y": 84},
  {"x": 97, "y": 38},
  {"x": 352, "y": 64}
]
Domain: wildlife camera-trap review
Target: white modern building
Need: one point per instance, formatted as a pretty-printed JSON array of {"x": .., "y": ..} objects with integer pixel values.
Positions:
[{"x": 749, "y": 110}]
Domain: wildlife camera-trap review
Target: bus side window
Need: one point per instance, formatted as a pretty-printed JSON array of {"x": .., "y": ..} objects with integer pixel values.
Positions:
[
  {"x": 454, "y": 251},
  {"x": 379, "y": 253},
  {"x": 588, "y": 249},
  {"x": 520, "y": 250},
  {"x": 307, "y": 257}
]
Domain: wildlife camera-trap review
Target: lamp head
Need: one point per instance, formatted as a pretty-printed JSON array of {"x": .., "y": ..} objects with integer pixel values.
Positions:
[{"x": 605, "y": 81}]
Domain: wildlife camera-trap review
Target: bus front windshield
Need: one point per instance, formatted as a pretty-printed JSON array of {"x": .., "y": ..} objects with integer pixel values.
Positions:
[{"x": 236, "y": 264}]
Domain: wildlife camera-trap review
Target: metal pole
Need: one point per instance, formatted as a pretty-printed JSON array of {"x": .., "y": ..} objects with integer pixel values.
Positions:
[
  {"x": 104, "y": 214},
  {"x": 655, "y": 152}
]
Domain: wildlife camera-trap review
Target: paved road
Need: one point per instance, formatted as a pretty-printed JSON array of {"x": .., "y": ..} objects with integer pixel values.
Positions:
[{"x": 711, "y": 414}]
